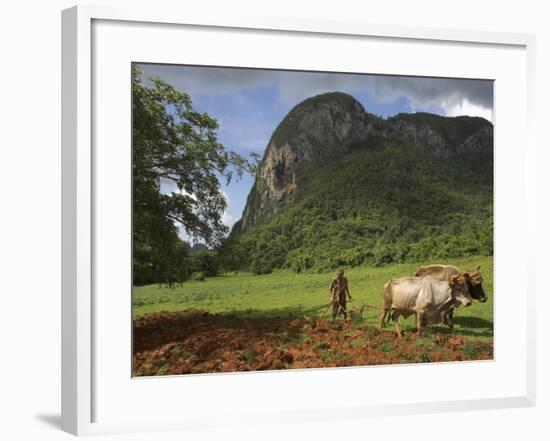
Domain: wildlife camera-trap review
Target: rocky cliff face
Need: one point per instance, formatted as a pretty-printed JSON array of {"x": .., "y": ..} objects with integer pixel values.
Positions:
[
  {"x": 325, "y": 127},
  {"x": 311, "y": 133},
  {"x": 443, "y": 136}
]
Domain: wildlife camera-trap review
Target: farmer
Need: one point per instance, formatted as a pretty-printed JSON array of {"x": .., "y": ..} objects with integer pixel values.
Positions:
[{"x": 338, "y": 290}]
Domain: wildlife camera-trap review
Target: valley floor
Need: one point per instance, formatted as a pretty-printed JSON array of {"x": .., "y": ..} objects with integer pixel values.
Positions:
[{"x": 244, "y": 322}]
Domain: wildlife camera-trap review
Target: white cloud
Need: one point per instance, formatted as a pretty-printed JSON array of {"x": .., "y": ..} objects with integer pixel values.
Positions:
[
  {"x": 227, "y": 219},
  {"x": 423, "y": 93},
  {"x": 185, "y": 193},
  {"x": 226, "y": 197},
  {"x": 465, "y": 107},
  {"x": 461, "y": 96}
]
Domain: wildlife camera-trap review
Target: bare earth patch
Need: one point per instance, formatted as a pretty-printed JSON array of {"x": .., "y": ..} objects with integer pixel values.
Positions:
[{"x": 195, "y": 342}]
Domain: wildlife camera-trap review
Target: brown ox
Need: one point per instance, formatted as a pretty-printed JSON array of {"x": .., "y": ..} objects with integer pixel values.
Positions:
[
  {"x": 437, "y": 271},
  {"x": 429, "y": 299}
]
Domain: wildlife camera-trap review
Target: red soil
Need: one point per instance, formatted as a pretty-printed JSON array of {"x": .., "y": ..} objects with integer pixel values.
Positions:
[{"x": 193, "y": 342}]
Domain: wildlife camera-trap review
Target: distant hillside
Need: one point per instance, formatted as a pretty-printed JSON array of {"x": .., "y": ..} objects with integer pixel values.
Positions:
[
  {"x": 339, "y": 186},
  {"x": 195, "y": 248}
]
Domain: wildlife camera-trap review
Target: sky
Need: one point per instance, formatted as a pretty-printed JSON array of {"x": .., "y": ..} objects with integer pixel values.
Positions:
[{"x": 250, "y": 103}]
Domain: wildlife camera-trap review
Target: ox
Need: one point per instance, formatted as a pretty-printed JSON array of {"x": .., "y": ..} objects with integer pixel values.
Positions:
[
  {"x": 429, "y": 299},
  {"x": 446, "y": 272},
  {"x": 474, "y": 281}
]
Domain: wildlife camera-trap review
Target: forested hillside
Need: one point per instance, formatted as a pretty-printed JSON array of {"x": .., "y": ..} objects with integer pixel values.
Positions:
[{"x": 415, "y": 187}]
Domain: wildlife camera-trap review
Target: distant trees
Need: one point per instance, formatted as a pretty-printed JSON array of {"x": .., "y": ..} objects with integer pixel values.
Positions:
[
  {"x": 178, "y": 146},
  {"x": 232, "y": 256}
]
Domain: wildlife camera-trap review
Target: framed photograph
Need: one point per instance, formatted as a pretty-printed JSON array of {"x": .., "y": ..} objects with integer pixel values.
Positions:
[{"x": 260, "y": 216}]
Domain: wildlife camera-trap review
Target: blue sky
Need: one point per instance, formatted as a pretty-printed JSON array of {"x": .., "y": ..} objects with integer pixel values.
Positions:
[{"x": 250, "y": 103}]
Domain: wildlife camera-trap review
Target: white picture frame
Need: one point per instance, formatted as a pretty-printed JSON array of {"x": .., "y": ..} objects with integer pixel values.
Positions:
[{"x": 83, "y": 385}]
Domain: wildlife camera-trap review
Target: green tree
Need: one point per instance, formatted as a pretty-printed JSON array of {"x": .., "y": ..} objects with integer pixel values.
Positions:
[
  {"x": 173, "y": 143},
  {"x": 232, "y": 255}
]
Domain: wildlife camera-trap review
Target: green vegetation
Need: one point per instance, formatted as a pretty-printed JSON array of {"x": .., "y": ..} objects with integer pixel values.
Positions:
[
  {"x": 470, "y": 349},
  {"x": 379, "y": 205},
  {"x": 386, "y": 346},
  {"x": 286, "y": 294},
  {"x": 359, "y": 342},
  {"x": 175, "y": 144},
  {"x": 250, "y": 355}
]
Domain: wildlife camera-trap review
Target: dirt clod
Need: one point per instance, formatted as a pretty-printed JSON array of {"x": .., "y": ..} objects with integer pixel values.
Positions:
[{"x": 192, "y": 342}]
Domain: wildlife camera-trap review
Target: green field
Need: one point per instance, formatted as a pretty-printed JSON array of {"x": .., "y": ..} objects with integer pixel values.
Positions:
[{"x": 284, "y": 293}]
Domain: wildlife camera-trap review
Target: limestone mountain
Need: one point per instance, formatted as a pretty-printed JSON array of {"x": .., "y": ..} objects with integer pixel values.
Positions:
[
  {"x": 323, "y": 128},
  {"x": 329, "y": 162},
  {"x": 313, "y": 132}
]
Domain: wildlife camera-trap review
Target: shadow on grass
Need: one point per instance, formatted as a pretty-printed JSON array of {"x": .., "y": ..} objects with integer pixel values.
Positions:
[
  {"x": 475, "y": 326},
  {"x": 467, "y": 326},
  {"x": 474, "y": 322},
  {"x": 284, "y": 313}
]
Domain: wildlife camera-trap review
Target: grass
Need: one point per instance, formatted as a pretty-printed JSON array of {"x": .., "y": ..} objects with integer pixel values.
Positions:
[
  {"x": 386, "y": 346},
  {"x": 286, "y": 294},
  {"x": 250, "y": 355},
  {"x": 357, "y": 343},
  {"x": 470, "y": 350}
]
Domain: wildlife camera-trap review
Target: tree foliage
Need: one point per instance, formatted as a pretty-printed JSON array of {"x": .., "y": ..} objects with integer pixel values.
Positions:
[
  {"x": 176, "y": 147},
  {"x": 378, "y": 205}
]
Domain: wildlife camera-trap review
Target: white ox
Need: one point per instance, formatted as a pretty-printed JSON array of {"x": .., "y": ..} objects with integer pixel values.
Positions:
[
  {"x": 429, "y": 299},
  {"x": 474, "y": 281}
]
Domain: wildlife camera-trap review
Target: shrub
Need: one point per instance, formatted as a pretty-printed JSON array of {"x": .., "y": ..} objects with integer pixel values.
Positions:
[{"x": 198, "y": 276}]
